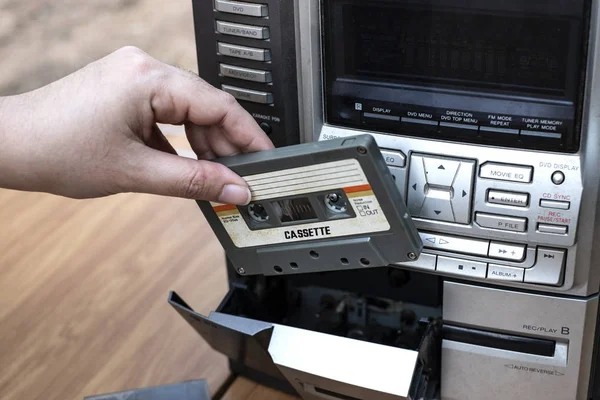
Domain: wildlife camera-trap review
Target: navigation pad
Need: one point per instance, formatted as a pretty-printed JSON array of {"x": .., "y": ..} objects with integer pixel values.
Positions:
[{"x": 440, "y": 188}]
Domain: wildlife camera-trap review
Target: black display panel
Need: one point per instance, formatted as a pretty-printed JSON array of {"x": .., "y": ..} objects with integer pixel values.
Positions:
[{"x": 494, "y": 72}]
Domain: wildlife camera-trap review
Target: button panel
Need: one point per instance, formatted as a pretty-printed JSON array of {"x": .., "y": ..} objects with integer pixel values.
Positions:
[
  {"x": 247, "y": 53},
  {"x": 247, "y": 74},
  {"x": 247, "y": 31},
  {"x": 241, "y": 8},
  {"x": 253, "y": 96},
  {"x": 500, "y": 222},
  {"x": 508, "y": 198},
  {"x": 439, "y": 188},
  {"x": 505, "y": 172}
]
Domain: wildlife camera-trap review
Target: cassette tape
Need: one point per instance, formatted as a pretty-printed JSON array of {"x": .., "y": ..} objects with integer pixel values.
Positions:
[{"x": 320, "y": 206}]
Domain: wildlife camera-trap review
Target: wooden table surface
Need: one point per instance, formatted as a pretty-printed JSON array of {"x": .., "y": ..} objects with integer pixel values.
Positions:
[{"x": 83, "y": 296}]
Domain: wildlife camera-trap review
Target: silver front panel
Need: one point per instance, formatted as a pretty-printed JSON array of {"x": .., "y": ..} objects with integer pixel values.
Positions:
[
  {"x": 472, "y": 372},
  {"x": 498, "y": 169}
]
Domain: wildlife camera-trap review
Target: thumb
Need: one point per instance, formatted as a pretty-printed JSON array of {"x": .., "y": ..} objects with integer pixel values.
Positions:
[{"x": 167, "y": 174}]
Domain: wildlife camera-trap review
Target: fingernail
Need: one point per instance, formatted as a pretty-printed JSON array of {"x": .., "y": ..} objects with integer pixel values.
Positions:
[{"x": 236, "y": 195}]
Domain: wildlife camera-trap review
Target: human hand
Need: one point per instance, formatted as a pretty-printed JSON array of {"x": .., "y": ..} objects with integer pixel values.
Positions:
[{"x": 94, "y": 133}]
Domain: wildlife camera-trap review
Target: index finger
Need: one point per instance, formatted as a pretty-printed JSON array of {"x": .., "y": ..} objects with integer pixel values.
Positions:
[{"x": 183, "y": 96}]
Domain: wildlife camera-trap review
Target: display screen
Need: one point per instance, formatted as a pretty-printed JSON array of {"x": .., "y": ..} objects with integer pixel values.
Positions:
[
  {"x": 451, "y": 46},
  {"x": 295, "y": 210},
  {"x": 494, "y": 72}
]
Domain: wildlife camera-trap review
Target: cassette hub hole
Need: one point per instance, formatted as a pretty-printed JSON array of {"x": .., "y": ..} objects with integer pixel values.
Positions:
[
  {"x": 364, "y": 261},
  {"x": 344, "y": 261},
  {"x": 278, "y": 269},
  {"x": 257, "y": 212},
  {"x": 314, "y": 254},
  {"x": 336, "y": 203},
  {"x": 293, "y": 265}
]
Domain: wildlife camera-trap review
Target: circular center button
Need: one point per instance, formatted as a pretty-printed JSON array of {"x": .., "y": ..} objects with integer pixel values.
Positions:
[{"x": 558, "y": 178}]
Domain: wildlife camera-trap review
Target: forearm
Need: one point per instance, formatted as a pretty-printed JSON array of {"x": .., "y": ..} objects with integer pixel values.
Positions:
[{"x": 17, "y": 144}]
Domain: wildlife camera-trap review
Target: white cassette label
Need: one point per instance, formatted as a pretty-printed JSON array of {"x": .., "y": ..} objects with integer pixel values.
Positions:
[{"x": 344, "y": 175}]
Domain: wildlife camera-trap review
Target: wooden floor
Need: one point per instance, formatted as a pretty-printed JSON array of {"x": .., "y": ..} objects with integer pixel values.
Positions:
[{"x": 83, "y": 296}]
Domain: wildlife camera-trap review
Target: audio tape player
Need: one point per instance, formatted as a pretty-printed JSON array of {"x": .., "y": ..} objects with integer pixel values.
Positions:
[{"x": 486, "y": 113}]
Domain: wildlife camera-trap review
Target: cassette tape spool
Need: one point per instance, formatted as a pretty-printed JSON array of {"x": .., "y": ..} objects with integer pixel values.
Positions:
[{"x": 321, "y": 206}]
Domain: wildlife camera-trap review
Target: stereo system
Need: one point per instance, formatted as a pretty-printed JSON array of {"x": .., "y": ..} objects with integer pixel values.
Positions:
[{"x": 486, "y": 113}]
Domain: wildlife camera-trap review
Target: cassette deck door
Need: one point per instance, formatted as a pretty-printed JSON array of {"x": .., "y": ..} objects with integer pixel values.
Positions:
[{"x": 318, "y": 366}]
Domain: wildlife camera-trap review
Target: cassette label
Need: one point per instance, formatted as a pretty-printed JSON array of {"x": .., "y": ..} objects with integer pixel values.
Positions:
[{"x": 355, "y": 211}]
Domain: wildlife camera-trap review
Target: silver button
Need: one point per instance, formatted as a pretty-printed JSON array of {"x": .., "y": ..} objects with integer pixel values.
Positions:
[
  {"x": 505, "y": 172},
  {"x": 394, "y": 158},
  {"x": 248, "y": 53},
  {"x": 548, "y": 269},
  {"x": 503, "y": 273},
  {"x": 558, "y": 205},
  {"x": 416, "y": 186},
  {"x": 425, "y": 261},
  {"x": 440, "y": 188},
  {"x": 399, "y": 176},
  {"x": 247, "y": 31},
  {"x": 553, "y": 229},
  {"x": 456, "y": 266},
  {"x": 440, "y": 172},
  {"x": 506, "y": 251},
  {"x": 253, "y": 96},
  {"x": 437, "y": 206},
  {"x": 502, "y": 223},
  {"x": 558, "y": 178},
  {"x": 455, "y": 244},
  {"x": 247, "y": 74},
  {"x": 462, "y": 188},
  {"x": 508, "y": 198},
  {"x": 236, "y": 7}
]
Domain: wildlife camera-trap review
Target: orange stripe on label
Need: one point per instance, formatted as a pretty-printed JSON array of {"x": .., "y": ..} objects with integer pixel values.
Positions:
[
  {"x": 225, "y": 207},
  {"x": 354, "y": 189}
]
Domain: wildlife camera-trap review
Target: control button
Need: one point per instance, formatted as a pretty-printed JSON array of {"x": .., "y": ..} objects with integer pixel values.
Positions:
[
  {"x": 558, "y": 205},
  {"x": 455, "y": 244},
  {"x": 558, "y": 178},
  {"x": 425, "y": 261},
  {"x": 502, "y": 223},
  {"x": 417, "y": 185},
  {"x": 437, "y": 206},
  {"x": 399, "y": 176},
  {"x": 456, "y": 266},
  {"x": 248, "y": 53},
  {"x": 463, "y": 186},
  {"x": 236, "y": 7},
  {"x": 553, "y": 229},
  {"x": 440, "y": 188},
  {"x": 506, "y": 251},
  {"x": 508, "y": 198},
  {"x": 247, "y": 74},
  {"x": 266, "y": 128},
  {"x": 247, "y": 31},
  {"x": 505, "y": 172},
  {"x": 503, "y": 273},
  {"x": 548, "y": 269},
  {"x": 394, "y": 158},
  {"x": 253, "y": 96},
  {"x": 440, "y": 172}
]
